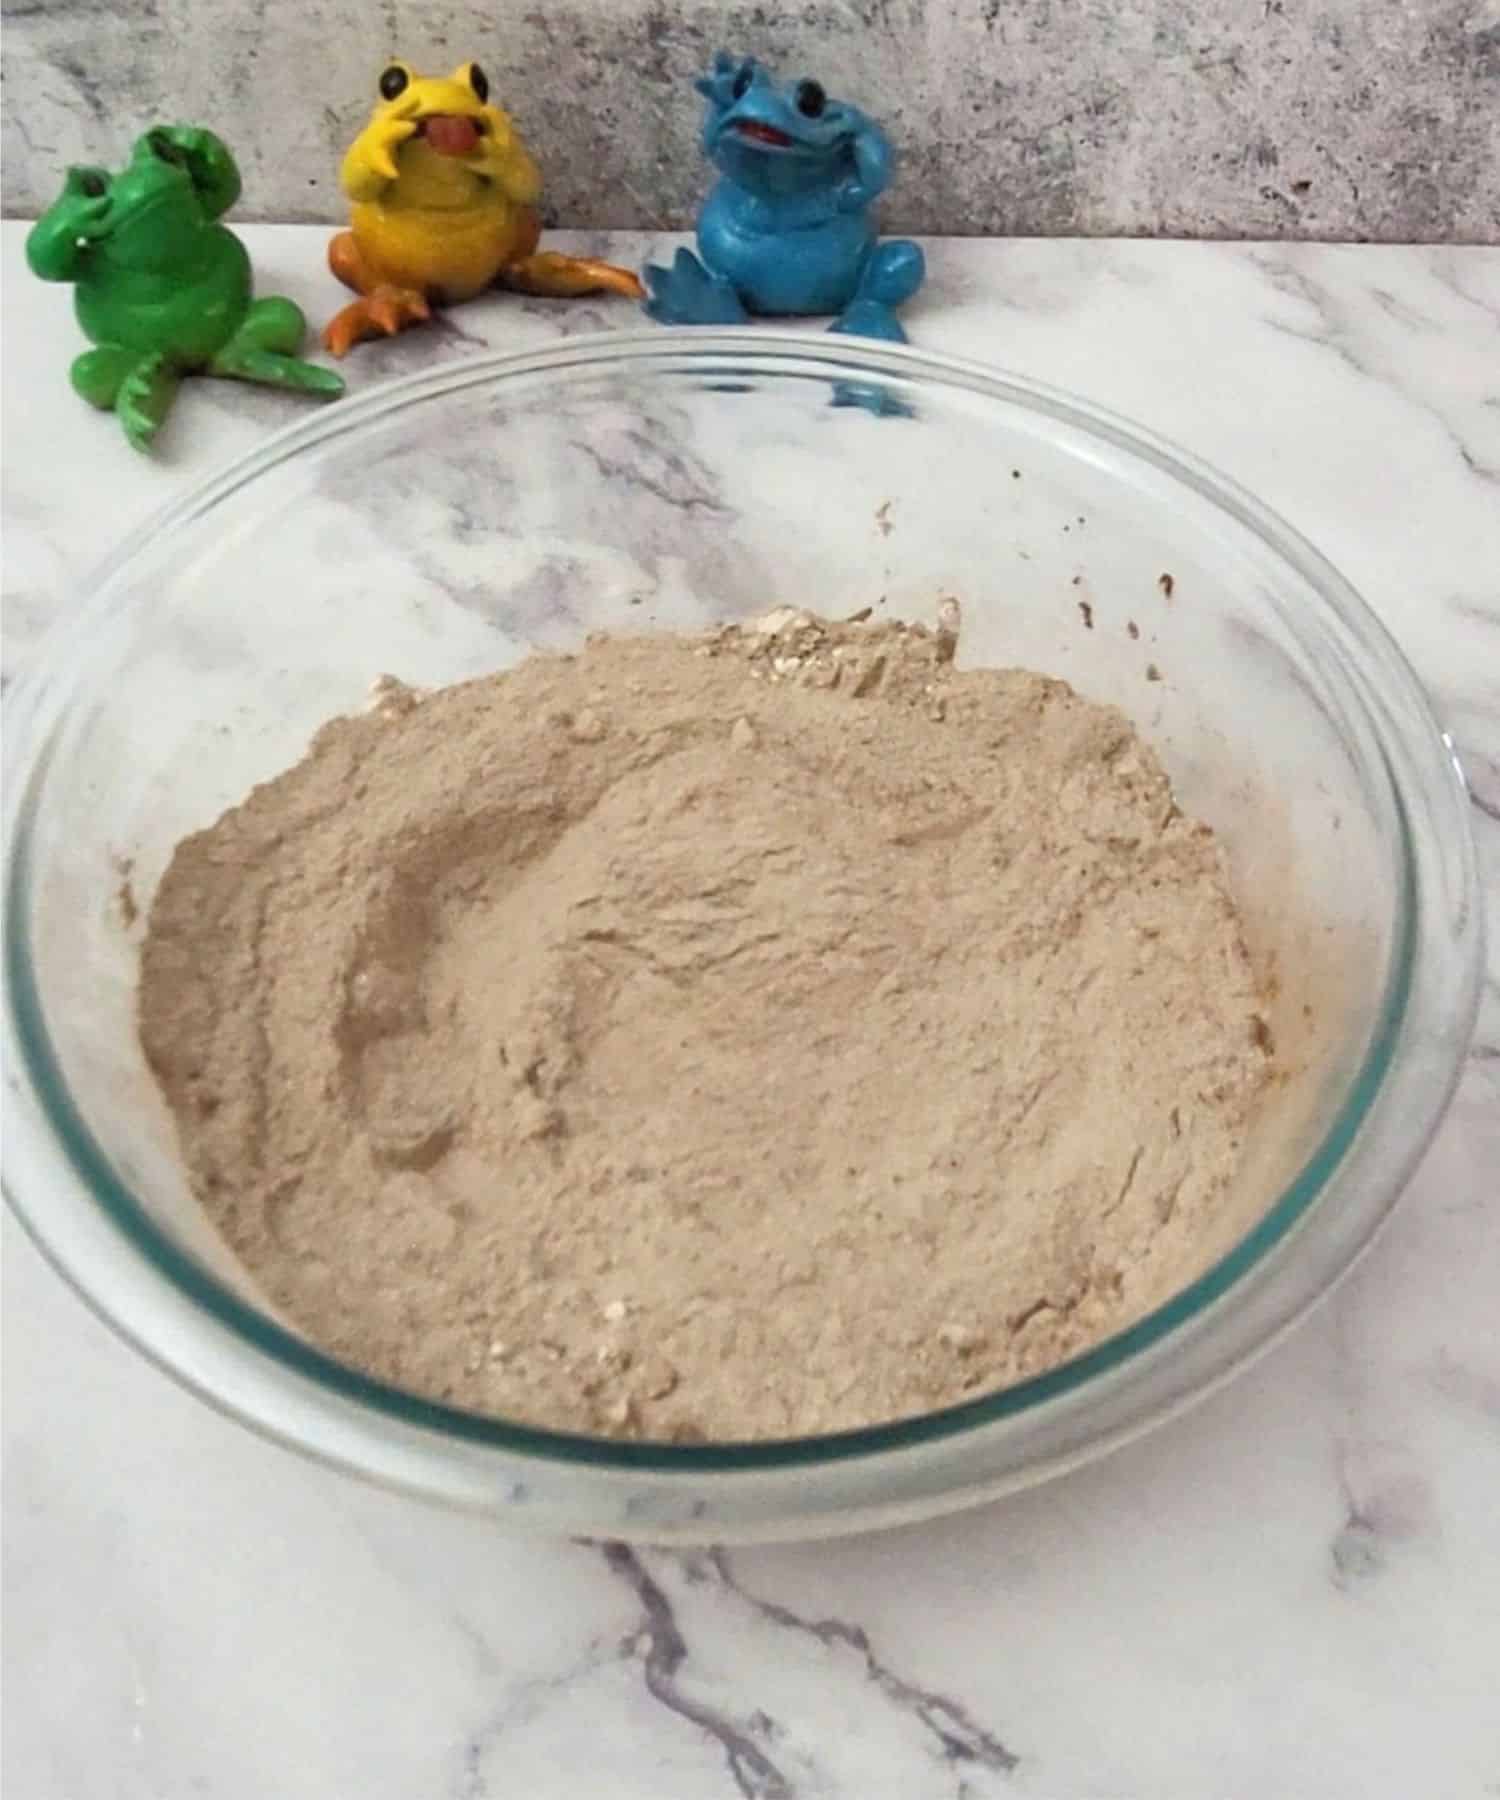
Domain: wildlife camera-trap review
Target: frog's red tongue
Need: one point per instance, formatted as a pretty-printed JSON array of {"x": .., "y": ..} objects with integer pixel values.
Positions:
[
  {"x": 450, "y": 134},
  {"x": 762, "y": 134}
]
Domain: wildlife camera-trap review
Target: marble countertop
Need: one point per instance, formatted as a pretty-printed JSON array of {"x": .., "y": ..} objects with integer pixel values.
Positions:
[{"x": 1292, "y": 1591}]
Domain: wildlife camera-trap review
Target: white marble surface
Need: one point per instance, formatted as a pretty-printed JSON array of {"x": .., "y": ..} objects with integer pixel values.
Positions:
[{"x": 1293, "y": 1591}]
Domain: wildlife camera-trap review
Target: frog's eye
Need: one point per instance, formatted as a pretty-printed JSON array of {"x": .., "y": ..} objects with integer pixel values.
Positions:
[
  {"x": 810, "y": 99},
  {"x": 394, "y": 82},
  {"x": 163, "y": 148},
  {"x": 93, "y": 184},
  {"x": 741, "y": 84},
  {"x": 480, "y": 82}
]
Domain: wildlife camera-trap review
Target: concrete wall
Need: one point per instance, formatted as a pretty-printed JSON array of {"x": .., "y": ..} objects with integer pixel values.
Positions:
[{"x": 1215, "y": 118}]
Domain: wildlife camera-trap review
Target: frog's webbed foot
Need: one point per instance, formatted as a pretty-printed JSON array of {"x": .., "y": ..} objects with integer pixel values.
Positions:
[
  {"x": 139, "y": 389},
  {"x": 382, "y": 308},
  {"x": 262, "y": 350},
  {"x": 97, "y": 375},
  {"x": 551, "y": 274},
  {"x": 892, "y": 275},
  {"x": 871, "y": 319},
  {"x": 689, "y": 294},
  {"x": 145, "y": 396},
  {"x": 382, "y": 312}
]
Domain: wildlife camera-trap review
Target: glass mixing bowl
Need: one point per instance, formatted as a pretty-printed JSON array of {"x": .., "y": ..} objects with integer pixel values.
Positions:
[{"x": 443, "y": 526}]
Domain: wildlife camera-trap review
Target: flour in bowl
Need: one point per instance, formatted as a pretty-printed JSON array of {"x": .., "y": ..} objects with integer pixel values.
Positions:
[{"x": 744, "y": 1036}]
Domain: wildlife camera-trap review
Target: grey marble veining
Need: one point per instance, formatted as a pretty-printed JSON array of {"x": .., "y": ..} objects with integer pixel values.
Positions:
[{"x": 1197, "y": 118}]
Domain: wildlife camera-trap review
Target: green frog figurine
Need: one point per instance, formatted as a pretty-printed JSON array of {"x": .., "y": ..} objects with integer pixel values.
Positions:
[{"x": 163, "y": 290}]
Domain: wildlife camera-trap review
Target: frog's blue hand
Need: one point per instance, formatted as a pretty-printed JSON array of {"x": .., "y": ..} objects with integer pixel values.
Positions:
[
  {"x": 729, "y": 78},
  {"x": 688, "y": 294},
  {"x": 873, "y": 166}
]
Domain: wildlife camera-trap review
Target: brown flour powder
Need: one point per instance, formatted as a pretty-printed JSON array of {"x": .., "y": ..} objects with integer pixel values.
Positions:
[{"x": 734, "y": 1037}]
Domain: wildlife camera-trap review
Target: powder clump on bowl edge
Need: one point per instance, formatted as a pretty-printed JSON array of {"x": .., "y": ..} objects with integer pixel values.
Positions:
[{"x": 759, "y": 1034}]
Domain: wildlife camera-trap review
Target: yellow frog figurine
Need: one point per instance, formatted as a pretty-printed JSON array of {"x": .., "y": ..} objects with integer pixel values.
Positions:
[{"x": 444, "y": 206}]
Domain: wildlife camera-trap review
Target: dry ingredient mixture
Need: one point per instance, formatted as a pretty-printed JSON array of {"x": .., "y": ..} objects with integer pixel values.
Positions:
[{"x": 711, "y": 1038}]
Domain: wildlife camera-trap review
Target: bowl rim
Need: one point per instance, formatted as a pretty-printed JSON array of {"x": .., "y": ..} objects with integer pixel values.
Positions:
[{"x": 39, "y": 707}]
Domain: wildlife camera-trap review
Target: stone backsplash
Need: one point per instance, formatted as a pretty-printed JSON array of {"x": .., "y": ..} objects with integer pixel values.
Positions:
[{"x": 1357, "y": 119}]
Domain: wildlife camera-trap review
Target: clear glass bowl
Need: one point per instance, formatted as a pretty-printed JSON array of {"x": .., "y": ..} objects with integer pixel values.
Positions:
[{"x": 444, "y": 525}]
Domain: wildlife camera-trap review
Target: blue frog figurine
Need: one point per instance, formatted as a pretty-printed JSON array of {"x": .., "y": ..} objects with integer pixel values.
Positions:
[{"x": 789, "y": 228}]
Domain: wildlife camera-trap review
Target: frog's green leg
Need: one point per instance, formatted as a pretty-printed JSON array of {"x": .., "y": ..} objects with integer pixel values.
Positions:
[
  {"x": 261, "y": 350},
  {"x": 274, "y": 324},
  {"x": 97, "y": 374},
  {"x": 273, "y": 370},
  {"x": 145, "y": 397}
]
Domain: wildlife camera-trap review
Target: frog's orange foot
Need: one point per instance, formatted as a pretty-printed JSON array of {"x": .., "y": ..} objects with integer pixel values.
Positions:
[
  {"x": 382, "y": 312},
  {"x": 552, "y": 274},
  {"x": 615, "y": 280}
]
